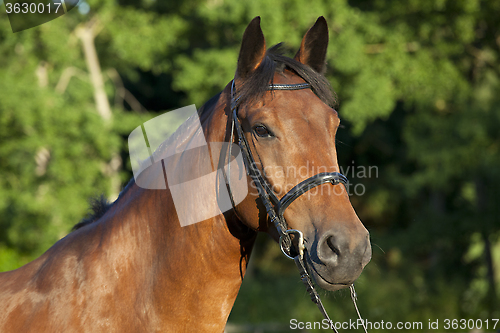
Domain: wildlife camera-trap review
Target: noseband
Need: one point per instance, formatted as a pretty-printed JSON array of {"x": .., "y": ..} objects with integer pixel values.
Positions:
[{"x": 276, "y": 207}]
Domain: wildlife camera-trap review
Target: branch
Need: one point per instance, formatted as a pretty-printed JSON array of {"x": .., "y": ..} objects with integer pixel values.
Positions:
[
  {"x": 123, "y": 94},
  {"x": 66, "y": 76},
  {"x": 42, "y": 75},
  {"x": 86, "y": 33}
]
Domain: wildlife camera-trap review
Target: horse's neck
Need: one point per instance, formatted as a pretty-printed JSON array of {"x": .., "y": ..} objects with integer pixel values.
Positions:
[{"x": 196, "y": 269}]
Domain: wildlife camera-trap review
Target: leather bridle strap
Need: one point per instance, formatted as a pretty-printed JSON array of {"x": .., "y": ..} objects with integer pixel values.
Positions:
[
  {"x": 334, "y": 178},
  {"x": 297, "y": 86},
  {"x": 267, "y": 195}
]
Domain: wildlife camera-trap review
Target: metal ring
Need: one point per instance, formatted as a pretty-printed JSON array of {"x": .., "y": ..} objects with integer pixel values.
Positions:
[{"x": 300, "y": 242}]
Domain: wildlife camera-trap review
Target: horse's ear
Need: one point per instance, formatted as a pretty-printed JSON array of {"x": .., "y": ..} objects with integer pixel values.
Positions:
[
  {"x": 312, "y": 51},
  {"x": 253, "y": 49}
]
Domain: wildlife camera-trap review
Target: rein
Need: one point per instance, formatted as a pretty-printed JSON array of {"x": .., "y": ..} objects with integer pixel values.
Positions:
[{"x": 276, "y": 207}]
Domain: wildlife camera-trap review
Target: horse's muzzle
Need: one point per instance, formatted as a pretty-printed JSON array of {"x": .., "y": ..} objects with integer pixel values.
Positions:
[{"x": 338, "y": 257}]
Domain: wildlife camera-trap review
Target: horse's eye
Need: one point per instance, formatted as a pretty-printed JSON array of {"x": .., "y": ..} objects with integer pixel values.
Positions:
[{"x": 262, "y": 131}]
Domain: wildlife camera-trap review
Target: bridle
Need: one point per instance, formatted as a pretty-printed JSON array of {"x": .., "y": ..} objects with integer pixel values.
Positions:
[{"x": 276, "y": 207}]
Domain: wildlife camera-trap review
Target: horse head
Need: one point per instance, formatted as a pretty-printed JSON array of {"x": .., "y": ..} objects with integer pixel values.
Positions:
[{"x": 288, "y": 125}]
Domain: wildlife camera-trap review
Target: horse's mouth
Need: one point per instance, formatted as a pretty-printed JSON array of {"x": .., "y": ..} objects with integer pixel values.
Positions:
[{"x": 321, "y": 281}]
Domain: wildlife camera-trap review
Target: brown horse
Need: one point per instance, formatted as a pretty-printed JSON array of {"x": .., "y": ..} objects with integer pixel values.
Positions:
[{"x": 133, "y": 268}]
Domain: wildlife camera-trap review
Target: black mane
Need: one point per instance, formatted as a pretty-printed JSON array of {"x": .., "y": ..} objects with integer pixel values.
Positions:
[
  {"x": 275, "y": 62},
  {"x": 99, "y": 205}
]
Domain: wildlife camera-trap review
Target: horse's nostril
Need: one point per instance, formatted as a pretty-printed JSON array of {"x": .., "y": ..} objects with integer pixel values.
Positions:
[
  {"x": 329, "y": 251},
  {"x": 330, "y": 242}
]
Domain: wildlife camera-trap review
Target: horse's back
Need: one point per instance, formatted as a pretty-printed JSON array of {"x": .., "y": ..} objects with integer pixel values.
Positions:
[
  {"x": 82, "y": 283},
  {"x": 24, "y": 306},
  {"x": 43, "y": 295}
]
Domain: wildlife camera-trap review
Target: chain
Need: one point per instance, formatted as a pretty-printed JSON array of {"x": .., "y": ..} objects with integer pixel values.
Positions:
[{"x": 354, "y": 298}]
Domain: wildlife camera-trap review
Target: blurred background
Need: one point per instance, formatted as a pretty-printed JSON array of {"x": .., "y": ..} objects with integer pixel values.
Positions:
[{"x": 418, "y": 83}]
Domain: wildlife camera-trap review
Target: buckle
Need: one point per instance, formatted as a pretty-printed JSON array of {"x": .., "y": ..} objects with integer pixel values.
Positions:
[{"x": 300, "y": 244}]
